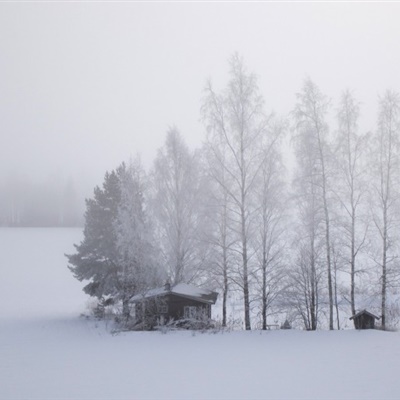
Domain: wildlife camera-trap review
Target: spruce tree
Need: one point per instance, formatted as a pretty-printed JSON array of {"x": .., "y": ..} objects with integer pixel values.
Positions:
[
  {"x": 96, "y": 258},
  {"x": 117, "y": 254}
]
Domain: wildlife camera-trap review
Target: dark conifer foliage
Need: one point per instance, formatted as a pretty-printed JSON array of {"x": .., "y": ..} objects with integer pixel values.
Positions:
[{"x": 96, "y": 258}]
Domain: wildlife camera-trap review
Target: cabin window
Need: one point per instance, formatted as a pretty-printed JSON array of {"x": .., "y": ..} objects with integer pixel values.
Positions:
[
  {"x": 190, "y": 312},
  {"x": 162, "y": 309}
]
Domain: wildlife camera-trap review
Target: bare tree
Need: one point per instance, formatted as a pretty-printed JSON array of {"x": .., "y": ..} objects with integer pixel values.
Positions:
[
  {"x": 337, "y": 264},
  {"x": 386, "y": 165},
  {"x": 235, "y": 120},
  {"x": 305, "y": 277},
  {"x": 304, "y": 288},
  {"x": 220, "y": 235},
  {"x": 351, "y": 186},
  {"x": 310, "y": 115},
  {"x": 137, "y": 254},
  {"x": 268, "y": 238},
  {"x": 177, "y": 196}
]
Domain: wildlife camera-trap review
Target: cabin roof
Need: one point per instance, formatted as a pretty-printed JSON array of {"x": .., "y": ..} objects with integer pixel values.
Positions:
[
  {"x": 182, "y": 290},
  {"x": 364, "y": 312}
]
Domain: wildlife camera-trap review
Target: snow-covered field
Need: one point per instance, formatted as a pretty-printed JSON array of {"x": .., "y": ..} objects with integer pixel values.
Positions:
[{"x": 48, "y": 352}]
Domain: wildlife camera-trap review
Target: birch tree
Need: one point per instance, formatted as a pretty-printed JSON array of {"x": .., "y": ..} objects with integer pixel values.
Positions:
[
  {"x": 176, "y": 199},
  {"x": 138, "y": 255},
  {"x": 351, "y": 186},
  {"x": 304, "y": 289},
  {"x": 386, "y": 165},
  {"x": 310, "y": 116},
  {"x": 220, "y": 234},
  {"x": 235, "y": 120},
  {"x": 305, "y": 286},
  {"x": 270, "y": 227}
]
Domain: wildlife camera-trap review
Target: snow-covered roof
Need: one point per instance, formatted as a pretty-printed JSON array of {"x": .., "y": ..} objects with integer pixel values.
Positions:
[
  {"x": 364, "y": 312},
  {"x": 182, "y": 290}
]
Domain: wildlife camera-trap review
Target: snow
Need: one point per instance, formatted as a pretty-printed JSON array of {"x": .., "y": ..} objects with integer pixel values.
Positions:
[
  {"x": 181, "y": 288},
  {"x": 48, "y": 352},
  {"x": 34, "y": 278},
  {"x": 190, "y": 290}
]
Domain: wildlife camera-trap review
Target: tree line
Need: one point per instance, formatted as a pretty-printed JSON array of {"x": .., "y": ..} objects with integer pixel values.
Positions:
[
  {"x": 315, "y": 249},
  {"x": 27, "y": 203}
]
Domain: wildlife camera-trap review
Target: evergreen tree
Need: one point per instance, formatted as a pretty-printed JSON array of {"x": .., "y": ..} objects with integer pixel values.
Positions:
[
  {"x": 117, "y": 254},
  {"x": 97, "y": 258}
]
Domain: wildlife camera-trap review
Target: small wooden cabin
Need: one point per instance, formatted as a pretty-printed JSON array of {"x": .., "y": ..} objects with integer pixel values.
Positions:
[
  {"x": 364, "y": 320},
  {"x": 181, "y": 301}
]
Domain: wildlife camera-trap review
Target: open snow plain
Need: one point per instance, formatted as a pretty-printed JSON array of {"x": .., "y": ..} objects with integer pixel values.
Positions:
[{"x": 48, "y": 352}]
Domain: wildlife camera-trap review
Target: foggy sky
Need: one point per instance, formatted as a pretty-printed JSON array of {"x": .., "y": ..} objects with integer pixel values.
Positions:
[{"x": 85, "y": 85}]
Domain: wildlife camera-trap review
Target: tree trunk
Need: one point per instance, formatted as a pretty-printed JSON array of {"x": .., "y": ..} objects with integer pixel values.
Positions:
[
  {"x": 224, "y": 296},
  {"x": 313, "y": 294},
  {"x": 264, "y": 292},
  {"x": 327, "y": 234},
  {"x": 246, "y": 295},
  {"x": 313, "y": 304},
  {"x": 336, "y": 299},
  {"x": 243, "y": 199},
  {"x": 224, "y": 261},
  {"x": 225, "y": 289},
  {"x": 384, "y": 264},
  {"x": 352, "y": 266}
]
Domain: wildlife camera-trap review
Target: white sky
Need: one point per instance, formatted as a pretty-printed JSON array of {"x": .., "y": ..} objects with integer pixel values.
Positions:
[{"x": 85, "y": 85}]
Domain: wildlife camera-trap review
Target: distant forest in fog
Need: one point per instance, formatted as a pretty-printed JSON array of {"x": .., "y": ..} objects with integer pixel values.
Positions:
[{"x": 51, "y": 203}]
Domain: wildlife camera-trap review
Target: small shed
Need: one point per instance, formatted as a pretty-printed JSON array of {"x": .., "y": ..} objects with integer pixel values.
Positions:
[
  {"x": 286, "y": 325},
  {"x": 364, "y": 320}
]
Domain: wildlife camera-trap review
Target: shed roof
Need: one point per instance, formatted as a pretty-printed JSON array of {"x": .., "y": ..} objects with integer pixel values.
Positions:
[
  {"x": 182, "y": 290},
  {"x": 364, "y": 312}
]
